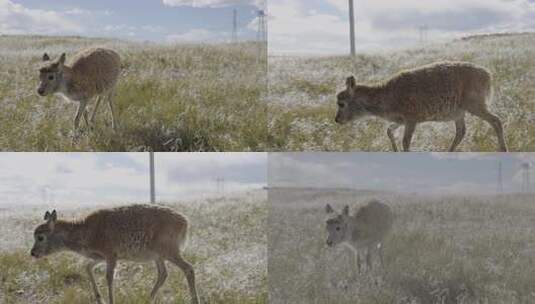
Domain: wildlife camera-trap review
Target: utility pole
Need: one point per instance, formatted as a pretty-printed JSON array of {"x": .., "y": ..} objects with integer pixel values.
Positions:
[
  {"x": 152, "y": 179},
  {"x": 352, "y": 28}
]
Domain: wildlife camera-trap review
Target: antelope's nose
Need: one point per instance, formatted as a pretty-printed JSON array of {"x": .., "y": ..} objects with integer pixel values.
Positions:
[
  {"x": 41, "y": 91},
  {"x": 32, "y": 253},
  {"x": 337, "y": 119}
]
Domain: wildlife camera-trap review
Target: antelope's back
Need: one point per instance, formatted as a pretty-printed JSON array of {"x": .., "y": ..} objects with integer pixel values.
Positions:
[
  {"x": 375, "y": 220},
  {"x": 439, "y": 91},
  {"x": 98, "y": 67},
  {"x": 139, "y": 229}
]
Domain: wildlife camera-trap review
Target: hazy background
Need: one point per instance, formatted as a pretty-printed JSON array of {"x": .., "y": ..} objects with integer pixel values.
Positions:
[
  {"x": 102, "y": 178},
  {"x": 430, "y": 173},
  {"x": 155, "y": 20},
  {"x": 321, "y": 26}
]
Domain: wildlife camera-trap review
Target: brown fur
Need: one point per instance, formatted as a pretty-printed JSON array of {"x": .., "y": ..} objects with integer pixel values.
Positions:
[
  {"x": 442, "y": 91},
  {"x": 92, "y": 73},
  {"x": 137, "y": 233}
]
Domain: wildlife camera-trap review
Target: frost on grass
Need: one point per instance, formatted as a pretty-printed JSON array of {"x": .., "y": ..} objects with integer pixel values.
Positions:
[
  {"x": 304, "y": 89},
  {"x": 452, "y": 249},
  {"x": 226, "y": 245},
  {"x": 169, "y": 98}
]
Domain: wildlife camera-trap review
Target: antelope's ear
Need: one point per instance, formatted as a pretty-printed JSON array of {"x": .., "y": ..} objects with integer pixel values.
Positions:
[
  {"x": 351, "y": 82},
  {"x": 329, "y": 209},
  {"x": 61, "y": 59},
  {"x": 346, "y": 210},
  {"x": 51, "y": 217},
  {"x": 46, "y": 57}
]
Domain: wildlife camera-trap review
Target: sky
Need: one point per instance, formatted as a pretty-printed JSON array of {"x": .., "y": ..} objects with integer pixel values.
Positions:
[
  {"x": 321, "y": 26},
  {"x": 426, "y": 173},
  {"x": 140, "y": 20},
  {"x": 100, "y": 178}
]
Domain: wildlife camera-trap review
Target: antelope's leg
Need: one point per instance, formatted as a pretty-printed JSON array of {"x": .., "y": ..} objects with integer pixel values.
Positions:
[
  {"x": 407, "y": 137},
  {"x": 162, "y": 276},
  {"x": 110, "y": 269},
  {"x": 89, "y": 268},
  {"x": 390, "y": 133},
  {"x": 190, "y": 276}
]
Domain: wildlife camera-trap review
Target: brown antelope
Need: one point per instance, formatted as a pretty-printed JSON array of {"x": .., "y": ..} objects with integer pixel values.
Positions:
[
  {"x": 442, "y": 91},
  {"x": 366, "y": 229},
  {"x": 138, "y": 233},
  {"x": 92, "y": 73}
]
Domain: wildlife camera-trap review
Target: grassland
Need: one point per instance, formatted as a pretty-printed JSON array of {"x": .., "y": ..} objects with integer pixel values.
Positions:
[
  {"x": 169, "y": 98},
  {"x": 227, "y": 246},
  {"x": 302, "y": 97},
  {"x": 455, "y": 249}
]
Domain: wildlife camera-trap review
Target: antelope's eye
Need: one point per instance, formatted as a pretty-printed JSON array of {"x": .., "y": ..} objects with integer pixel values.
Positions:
[
  {"x": 337, "y": 228},
  {"x": 341, "y": 105},
  {"x": 50, "y": 77},
  {"x": 40, "y": 238}
]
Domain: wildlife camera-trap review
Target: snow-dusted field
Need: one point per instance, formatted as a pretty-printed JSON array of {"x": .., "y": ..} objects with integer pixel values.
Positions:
[
  {"x": 227, "y": 245},
  {"x": 451, "y": 249},
  {"x": 302, "y": 96}
]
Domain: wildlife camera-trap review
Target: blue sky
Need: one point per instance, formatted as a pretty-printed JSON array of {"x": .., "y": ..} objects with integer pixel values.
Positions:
[
  {"x": 441, "y": 173},
  {"x": 154, "y": 20},
  {"x": 99, "y": 178},
  {"x": 321, "y": 26}
]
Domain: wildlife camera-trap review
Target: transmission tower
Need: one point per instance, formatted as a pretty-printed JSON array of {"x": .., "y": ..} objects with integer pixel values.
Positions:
[
  {"x": 526, "y": 184},
  {"x": 500, "y": 178},
  {"x": 220, "y": 185},
  {"x": 235, "y": 26},
  {"x": 423, "y": 33},
  {"x": 261, "y": 34}
]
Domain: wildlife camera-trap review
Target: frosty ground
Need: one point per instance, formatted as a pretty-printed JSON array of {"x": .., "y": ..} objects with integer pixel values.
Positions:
[
  {"x": 169, "y": 98},
  {"x": 227, "y": 246},
  {"x": 302, "y": 97},
  {"x": 451, "y": 249}
]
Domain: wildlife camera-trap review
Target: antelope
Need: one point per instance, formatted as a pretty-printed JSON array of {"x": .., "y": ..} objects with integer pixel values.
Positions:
[
  {"x": 136, "y": 233},
  {"x": 442, "y": 91},
  {"x": 366, "y": 229},
  {"x": 92, "y": 73}
]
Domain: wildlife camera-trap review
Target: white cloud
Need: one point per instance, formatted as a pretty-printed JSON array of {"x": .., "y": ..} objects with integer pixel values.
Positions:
[
  {"x": 17, "y": 19},
  {"x": 89, "y": 178},
  {"x": 214, "y": 3},
  {"x": 297, "y": 27}
]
